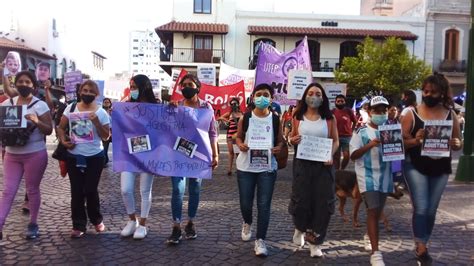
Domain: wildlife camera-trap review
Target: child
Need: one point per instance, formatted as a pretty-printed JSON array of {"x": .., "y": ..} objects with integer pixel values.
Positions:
[
  {"x": 12, "y": 67},
  {"x": 374, "y": 176}
]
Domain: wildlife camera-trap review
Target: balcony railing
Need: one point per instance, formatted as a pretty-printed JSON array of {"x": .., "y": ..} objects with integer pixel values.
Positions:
[
  {"x": 453, "y": 66},
  {"x": 191, "y": 55}
]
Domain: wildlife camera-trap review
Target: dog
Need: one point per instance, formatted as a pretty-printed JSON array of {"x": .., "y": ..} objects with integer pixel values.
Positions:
[{"x": 347, "y": 187}]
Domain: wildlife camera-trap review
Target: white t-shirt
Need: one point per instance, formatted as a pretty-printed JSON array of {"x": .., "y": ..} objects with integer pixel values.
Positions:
[
  {"x": 243, "y": 159},
  {"x": 318, "y": 128},
  {"x": 94, "y": 147},
  {"x": 372, "y": 173},
  {"x": 36, "y": 141}
]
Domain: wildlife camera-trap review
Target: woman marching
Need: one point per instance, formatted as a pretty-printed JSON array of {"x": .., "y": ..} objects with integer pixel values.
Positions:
[
  {"x": 89, "y": 125},
  {"x": 313, "y": 191},
  {"x": 257, "y": 165},
  {"x": 29, "y": 160},
  {"x": 141, "y": 91},
  {"x": 425, "y": 176},
  {"x": 232, "y": 118},
  {"x": 191, "y": 86}
]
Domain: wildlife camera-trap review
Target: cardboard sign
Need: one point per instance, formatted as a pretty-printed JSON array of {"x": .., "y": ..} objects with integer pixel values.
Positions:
[{"x": 298, "y": 80}]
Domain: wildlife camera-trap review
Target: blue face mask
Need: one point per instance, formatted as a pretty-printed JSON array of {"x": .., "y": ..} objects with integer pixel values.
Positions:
[
  {"x": 134, "y": 94},
  {"x": 262, "y": 102},
  {"x": 379, "y": 119}
]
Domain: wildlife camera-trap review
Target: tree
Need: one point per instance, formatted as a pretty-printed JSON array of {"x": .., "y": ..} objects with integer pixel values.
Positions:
[{"x": 386, "y": 67}]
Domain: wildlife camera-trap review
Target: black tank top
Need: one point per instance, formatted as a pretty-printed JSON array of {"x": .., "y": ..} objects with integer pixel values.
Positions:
[{"x": 424, "y": 164}]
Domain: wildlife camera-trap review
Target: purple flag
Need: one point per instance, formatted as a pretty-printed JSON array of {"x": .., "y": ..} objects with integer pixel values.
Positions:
[
  {"x": 273, "y": 67},
  {"x": 161, "y": 139}
]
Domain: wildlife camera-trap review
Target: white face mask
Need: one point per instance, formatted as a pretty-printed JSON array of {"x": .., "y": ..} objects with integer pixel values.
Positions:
[{"x": 314, "y": 101}]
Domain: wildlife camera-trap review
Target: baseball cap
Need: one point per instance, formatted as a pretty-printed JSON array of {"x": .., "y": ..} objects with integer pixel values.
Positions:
[{"x": 378, "y": 100}]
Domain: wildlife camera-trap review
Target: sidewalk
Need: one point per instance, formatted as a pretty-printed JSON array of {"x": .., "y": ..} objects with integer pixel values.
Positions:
[{"x": 218, "y": 225}]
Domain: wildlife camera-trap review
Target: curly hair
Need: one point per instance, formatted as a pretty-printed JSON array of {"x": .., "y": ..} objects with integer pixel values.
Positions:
[{"x": 441, "y": 84}]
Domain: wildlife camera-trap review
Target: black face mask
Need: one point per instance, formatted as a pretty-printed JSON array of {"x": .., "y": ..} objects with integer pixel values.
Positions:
[
  {"x": 189, "y": 92},
  {"x": 340, "y": 106},
  {"x": 24, "y": 91},
  {"x": 431, "y": 101},
  {"x": 235, "y": 107},
  {"x": 87, "y": 98}
]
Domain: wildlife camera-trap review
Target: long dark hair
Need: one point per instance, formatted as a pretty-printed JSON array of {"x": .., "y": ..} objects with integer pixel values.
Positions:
[
  {"x": 145, "y": 89},
  {"x": 302, "y": 107},
  {"x": 411, "y": 97},
  {"x": 440, "y": 82}
]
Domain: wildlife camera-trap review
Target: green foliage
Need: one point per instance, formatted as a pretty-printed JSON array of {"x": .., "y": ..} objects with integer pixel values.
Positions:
[{"x": 386, "y": 67}]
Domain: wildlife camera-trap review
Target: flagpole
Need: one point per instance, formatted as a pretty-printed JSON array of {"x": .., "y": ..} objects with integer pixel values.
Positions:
[{"x": 465, "y": 171}]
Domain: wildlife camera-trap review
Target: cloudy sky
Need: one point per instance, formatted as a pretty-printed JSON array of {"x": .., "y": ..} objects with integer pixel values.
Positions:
[{"x": 105, "y": 25}]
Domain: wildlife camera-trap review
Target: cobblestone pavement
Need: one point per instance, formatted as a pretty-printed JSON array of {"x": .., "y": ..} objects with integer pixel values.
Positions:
[{"x": 218, "y": 225}]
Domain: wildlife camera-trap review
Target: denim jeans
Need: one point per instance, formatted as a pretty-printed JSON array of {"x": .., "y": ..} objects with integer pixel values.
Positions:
[
  {"x": 425, "y": 193},
  {"x": 179, "y": 185},
  {"x": 127, "y": 186},
  {"x": 264, "y": 182}
]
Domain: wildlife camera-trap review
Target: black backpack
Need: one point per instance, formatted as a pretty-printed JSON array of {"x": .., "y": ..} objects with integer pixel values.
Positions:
[{"x": 17, "y": 136}]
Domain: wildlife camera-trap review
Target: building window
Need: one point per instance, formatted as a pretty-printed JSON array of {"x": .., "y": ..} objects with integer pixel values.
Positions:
[
  {"x": 135, "y": 48},
  {"x": 203, "y": 48},
  {"x": 202, "y": 6},
  {"x": 347, "y": 49},
  {"x": 135, "y": 40},
  {"x": 451, "y": 44},
  {"x": 54, "y": 24},
  {"x": 135, "y": 63},
  {"x": 256, "y": 46}
]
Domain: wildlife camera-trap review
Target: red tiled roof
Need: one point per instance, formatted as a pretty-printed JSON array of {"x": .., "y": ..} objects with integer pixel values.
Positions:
[
  {"x": 330, "y": 32},
  {"x": 9, "y": 44},
  {"x": 174, "y": 26}
]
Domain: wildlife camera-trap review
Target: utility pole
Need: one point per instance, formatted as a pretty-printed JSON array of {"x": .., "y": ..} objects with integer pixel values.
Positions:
[{"x": 465, "y": 171}]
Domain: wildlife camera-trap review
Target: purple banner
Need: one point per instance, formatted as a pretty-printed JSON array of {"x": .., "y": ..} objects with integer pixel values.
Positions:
[
  {"x": 161, "y": 139},
  {"x": 70, "y": 81},
  {"x": 273, "y": 67}
]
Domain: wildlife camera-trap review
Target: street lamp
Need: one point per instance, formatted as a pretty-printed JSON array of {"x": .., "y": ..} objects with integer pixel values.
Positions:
[{"x": 465, "y": 171}]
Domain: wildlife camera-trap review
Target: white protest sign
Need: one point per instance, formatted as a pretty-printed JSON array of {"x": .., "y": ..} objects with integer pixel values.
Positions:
[
  {"x": 207, "y": 74},
  {"x": 334, "y": 89},
  {"x": 298, "y": 80},
  {"x": 314, "y": 149},
  {"x": 260, "y": 134}
]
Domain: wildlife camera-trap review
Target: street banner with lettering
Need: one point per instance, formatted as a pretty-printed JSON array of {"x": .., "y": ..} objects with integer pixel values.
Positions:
[
  {"x": 219, "y": 97},
  {"x": 273, "y": 67},
  {"x": 163, "y": 126},
  {"x": 207, "y": 74},
  {"x": 334, "y": 89},
  {"x": 230, "y": 75}
]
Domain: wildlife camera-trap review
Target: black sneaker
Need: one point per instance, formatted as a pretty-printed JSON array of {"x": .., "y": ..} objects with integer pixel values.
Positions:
[
  {"x": 175, "y": 236},
  {"x": 1, "y": 235},
  {"x": 32, "y": 231},
  {"x": 190, "y": 231},
  {"x": 424, "y": 258}
]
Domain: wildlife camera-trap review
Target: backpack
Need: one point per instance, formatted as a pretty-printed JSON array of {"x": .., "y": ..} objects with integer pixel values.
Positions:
[
  {"x": 17, "y": 136},
  {"x": 282, "y": 157}
]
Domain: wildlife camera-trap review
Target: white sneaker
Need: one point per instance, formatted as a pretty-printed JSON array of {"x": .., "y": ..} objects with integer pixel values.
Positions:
[
  {"x": 315, "y": 251},
  {"x": 377, "y": 259},
  {"x": 367, "y": 245},
  {"x": 140, "y": 232},
  {"x": 129, "y": 229},
  {"x": 298, "y": 238},
  {"x": 246, "y": 232},
  {"x": 260, "y": 248}
]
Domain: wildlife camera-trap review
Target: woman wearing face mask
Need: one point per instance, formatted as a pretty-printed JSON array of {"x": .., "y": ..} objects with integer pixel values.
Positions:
[
  {"x": 313, "y": 190},
  {"x": 232, "y": 118},
  {"x": 426, "y": 177},
  {"x": 191, "y": 86},
  {"x": 85, "y": 160},
  {"x": 257, "y": 166},
  {"x": 29, "y": 160},
  {"x": 140, "y": 91}
]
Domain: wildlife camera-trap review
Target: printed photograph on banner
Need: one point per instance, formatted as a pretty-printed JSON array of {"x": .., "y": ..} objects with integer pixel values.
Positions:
[
  {"x": 185, "y": 146},
  {"x": 392, "y": 142},
  {"x": 139, "y": 144},
  {"x": 12, "y": 65},
  {"x": 260, "y": 159},
  {"x": 314, "y": 149},
  {"x": 81, "y": 126},
  {"x": 13, "y": 116},
  {"x": 437, "y": 136}
]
